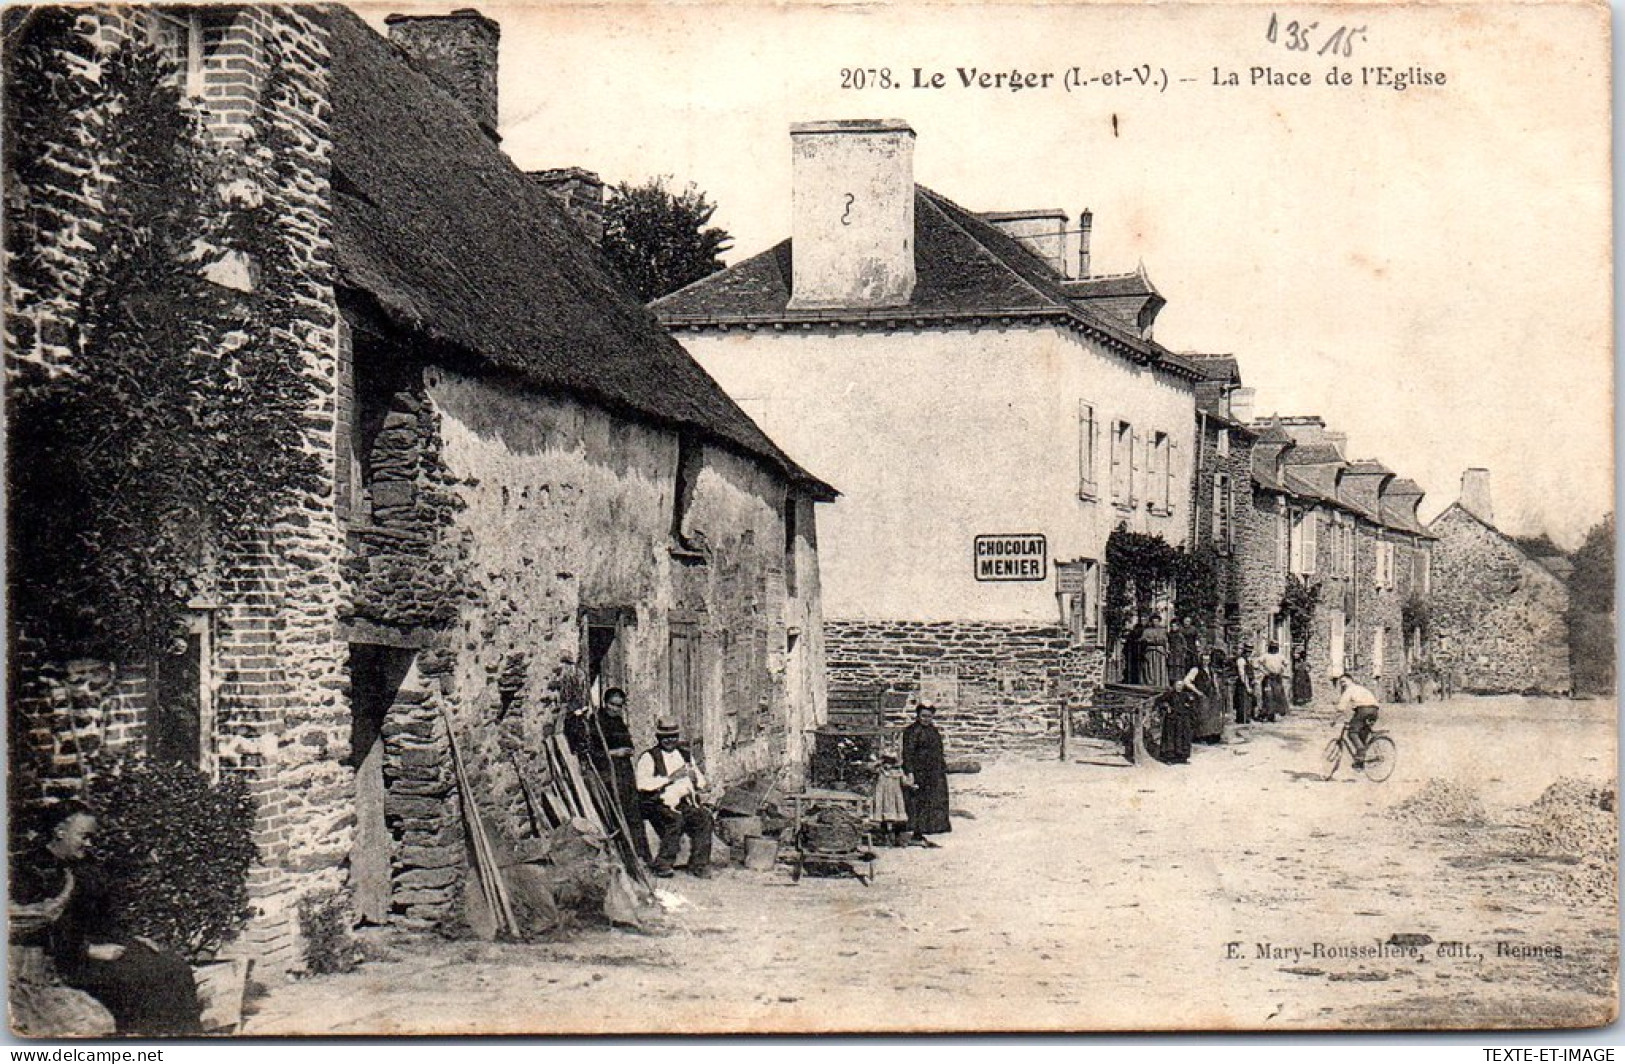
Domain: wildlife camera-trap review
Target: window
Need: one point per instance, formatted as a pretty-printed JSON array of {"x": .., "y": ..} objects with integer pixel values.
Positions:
[
  {"x": 1161, "y": 488},
  {"x": 1283, "y": 555},
  {"x": 690, "y": 458},
  {"x": 1423, "y": 571},
  {"x": 1223, "y": 514},
  {"x": 1123, "y": 463},
  {"x": 181, "y": 722},
  {"x": 1303, "y": 545},
  {"x": 177, "y": 35},
  {"x": 1385, "y": 565},
  {"x": 790, "y": 506},
  {"x": 1088, "y": 442},
  {"x": 1077, "y": 588},
  {"x": 1224, "y": 443}
]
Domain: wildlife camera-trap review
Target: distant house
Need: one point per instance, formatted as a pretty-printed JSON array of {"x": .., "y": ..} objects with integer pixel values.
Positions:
[
  {"x": 991, "y": 412},
  {"x": 530, "y": 492},
  {"x": 1500, "y": 616}
]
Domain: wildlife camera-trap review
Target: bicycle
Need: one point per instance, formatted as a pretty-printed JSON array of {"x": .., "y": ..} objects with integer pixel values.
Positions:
[{"x": 1381, "y": 753}]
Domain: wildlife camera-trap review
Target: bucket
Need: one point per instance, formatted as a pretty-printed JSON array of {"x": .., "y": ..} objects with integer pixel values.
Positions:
[{"x": 761, "y": 854}]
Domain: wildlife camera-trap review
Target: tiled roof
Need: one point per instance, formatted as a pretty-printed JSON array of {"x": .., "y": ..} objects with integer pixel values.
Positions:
[
  {"x": 1215, "y": 367},
  {"x": 965, "y": 270},
  {"x": 1112, "y": 285},
  {"x": 438, "y": 230},
  {"x": 1314, "y": 454}
]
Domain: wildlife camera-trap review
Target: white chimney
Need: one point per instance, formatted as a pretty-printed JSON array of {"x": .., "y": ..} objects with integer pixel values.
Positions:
[
  {"x": 1475, "y": 495},
  {"x": 1241, "y": 404},
  {"x": 1042, "y": 231},
  {"x": 851, "y": 214}
]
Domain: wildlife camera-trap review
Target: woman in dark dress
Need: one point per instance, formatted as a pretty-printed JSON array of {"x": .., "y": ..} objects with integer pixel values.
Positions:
[
  {"x": 1178, "y": 722},
  {"x": 1242, "y": 689},
  {"x": 603, "y": 742},
  {"x": 1303, "y": 689},
  {"x": 1154, "y": 654},
  {"x": 1218, "y": 664},
  {"x": 148, "y": 991},
  {"x": 924, "y": 763},
  {"x": 1214, "y": 710}
]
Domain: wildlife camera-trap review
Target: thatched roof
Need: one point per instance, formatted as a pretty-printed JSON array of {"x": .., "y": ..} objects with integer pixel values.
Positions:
[
  {"x": 445, "y": 237},
  {"x": 966, "y": 270}
]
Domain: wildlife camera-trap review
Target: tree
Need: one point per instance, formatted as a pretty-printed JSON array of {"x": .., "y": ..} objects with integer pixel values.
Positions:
[
  {"x": 658, "y": 240},
  {"x": 1591, "y": 587}
]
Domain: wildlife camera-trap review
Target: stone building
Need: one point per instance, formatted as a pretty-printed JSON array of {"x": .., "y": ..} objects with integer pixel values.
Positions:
[
  {"x": 1500, "y": 617},
  {"x": 529, "y": 491},
  {"x": 1346, "y": 531},
  {"x": 1221, "y": 497},
  {"x": 990, "y": 412}
]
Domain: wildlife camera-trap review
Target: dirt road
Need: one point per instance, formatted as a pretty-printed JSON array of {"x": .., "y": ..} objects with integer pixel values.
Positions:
[{"x": 1240, "y": 891}]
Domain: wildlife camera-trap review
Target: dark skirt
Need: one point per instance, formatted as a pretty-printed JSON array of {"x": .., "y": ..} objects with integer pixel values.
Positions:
[
  {"x": 1177, "y": 728},
  {"x": 1274, "y": 698}
]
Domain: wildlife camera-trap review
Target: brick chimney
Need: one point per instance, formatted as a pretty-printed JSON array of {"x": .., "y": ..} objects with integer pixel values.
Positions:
[
  {"x": 1086, "y": 232},
  {"x": 581, "y": 194},
  {"x": 1042, "y": 231},
  {"x": 459, "y": 51},
  {"x": 1475, "y": 495},
  {"x": 851, "y": 214}
]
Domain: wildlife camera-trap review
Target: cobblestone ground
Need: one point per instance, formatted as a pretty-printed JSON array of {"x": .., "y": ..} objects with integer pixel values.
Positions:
[{"x": 1240, "y": 891}]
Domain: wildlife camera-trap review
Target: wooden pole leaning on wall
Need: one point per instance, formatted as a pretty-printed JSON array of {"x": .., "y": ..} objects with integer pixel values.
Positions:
[{"x": 492, "y": 887}]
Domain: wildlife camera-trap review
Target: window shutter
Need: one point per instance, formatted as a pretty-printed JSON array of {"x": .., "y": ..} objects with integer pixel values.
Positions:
[
  {"x": 1217, "y": 518},
  {"x": 1117, "y": 461},
  {"x": 1311, "y": 538},
  {"x": 1168, "y": 492},
  {"x": 1137, "y": 443},
  {"x": 1086, "y": 447}
]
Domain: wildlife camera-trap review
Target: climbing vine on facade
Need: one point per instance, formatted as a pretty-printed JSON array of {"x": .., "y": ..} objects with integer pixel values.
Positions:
[
  {"x": 1141, "y": 568},
  {"x": 1298, "y": 606},
  {"x": 171, "y": 431}
]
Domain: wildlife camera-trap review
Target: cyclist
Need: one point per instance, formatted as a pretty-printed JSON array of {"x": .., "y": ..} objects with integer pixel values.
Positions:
[{"x": 1362, "y": 704}]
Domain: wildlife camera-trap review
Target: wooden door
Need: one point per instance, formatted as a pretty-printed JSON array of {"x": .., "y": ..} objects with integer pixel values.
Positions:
[{"x": 687, "y": 703}]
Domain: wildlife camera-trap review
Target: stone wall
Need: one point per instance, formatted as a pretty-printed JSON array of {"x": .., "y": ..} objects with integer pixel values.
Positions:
[
  {"x": 999, "y": 688},
  {"x": 1233, "y": 572},
  {"x": 1499, "y": 617},
  {"x": 1263, "y": 578}
]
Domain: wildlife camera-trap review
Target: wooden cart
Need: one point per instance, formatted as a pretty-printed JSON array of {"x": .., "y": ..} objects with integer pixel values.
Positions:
[{"x": 861, "y": 808}]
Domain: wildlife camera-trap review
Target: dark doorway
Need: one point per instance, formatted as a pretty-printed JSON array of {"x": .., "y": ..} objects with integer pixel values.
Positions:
[
  {"x": 376, "y": 673},
  {"x": 175, "y": 725}
]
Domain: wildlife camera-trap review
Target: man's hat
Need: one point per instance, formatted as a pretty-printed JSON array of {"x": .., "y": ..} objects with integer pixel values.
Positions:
[
  {"x": 666, "y": 728},
  {"x": 1336, "y": 673}
]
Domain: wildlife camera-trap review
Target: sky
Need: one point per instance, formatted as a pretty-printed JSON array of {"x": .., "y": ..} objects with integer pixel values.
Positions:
[{"x": 1427, "y": 269}]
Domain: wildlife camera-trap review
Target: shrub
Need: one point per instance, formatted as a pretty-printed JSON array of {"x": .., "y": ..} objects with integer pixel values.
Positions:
[
  {"x": 176, "y": 849},
  {"x": 324, "y": 924}
]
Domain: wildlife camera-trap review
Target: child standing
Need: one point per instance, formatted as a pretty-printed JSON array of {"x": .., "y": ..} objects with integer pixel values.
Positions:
[{"x": 890, "y": 812}]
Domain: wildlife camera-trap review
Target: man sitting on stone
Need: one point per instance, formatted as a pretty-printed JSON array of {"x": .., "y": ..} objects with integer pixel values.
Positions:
[{"x": 669, "y": 785}]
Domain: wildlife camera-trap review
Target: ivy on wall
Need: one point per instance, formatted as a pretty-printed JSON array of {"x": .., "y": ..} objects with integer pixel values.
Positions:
[
  {"x": 1139, "y": 567},
  {"x": 1298, "y": 606},
  {"x": 174, "y": 432}
]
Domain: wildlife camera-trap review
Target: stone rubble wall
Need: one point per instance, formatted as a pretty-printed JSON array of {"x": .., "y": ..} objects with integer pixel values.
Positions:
[{"x": 1012, "y": 681}]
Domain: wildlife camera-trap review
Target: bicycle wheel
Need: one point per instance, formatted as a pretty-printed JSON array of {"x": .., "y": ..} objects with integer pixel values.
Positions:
[
  {"x": 1380, "y": 755},
  {"x": 1332, "y": 757}
]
